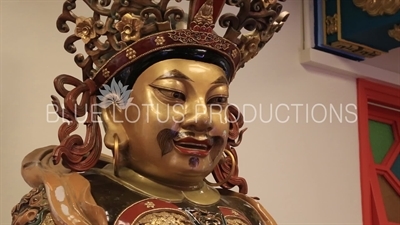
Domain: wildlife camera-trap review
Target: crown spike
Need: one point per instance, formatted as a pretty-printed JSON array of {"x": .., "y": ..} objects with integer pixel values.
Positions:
[
  {"x": 204, "y": 19},
  {"x": 198, "y": 5}
]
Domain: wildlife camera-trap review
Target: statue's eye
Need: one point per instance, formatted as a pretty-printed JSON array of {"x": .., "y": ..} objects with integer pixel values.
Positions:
[
  {"x": 218, "y": 100},
  {"x": 173, "y": 94}
]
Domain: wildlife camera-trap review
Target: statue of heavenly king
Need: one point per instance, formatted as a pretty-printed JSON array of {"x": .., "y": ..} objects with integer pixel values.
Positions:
[{"x": 157, "y": 78}]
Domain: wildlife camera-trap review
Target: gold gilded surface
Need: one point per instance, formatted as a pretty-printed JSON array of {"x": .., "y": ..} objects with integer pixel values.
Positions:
[
  {"x": 149, "y": 205},
  {"x": 106, "y": 73},
  {"x": 378, "y": 7},
  {"x": 85, "y": 29},
  {"x": 48, "y": 220},
  {"x": 130, "y": 53},
  {"x": 175, "y": 108},
  {"x": 38, "y": 170},
  {"x": 395, "y": 32},
  {"x": 159, "y": 40},
  {"x": 221, "y": 44},
  {"x": 250, "y": 49},
  {"x": 205, "y": 14},
  {"x": 331, "y": 24},
  {"x": 356, "y": 49},
  {"x": 129, "y": 27},
  {"x": 264, "y": 214},
  {"x": 136, "y": 182},
  {"x": 206, "y": 217},
  {"x": 231, "y": 173},
  {"x": 163, "y": 218},
  {"x": 235, "y": 221},
  {"x": 253, "y": 42},
  {"x": 32, "y": 206}
]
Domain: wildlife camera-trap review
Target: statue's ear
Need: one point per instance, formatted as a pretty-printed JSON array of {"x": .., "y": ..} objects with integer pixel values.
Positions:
[{"x": 114, "y": 128}]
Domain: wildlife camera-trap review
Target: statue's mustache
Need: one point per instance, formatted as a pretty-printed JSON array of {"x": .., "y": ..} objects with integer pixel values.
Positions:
[{"x": 165, "y": 139}]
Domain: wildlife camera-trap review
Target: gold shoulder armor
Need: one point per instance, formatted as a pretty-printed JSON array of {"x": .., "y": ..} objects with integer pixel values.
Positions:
[
  {"x": 265, "y": 216},
  {"x": 55, "y": 189},
  {"x": 33, "y": 209}
]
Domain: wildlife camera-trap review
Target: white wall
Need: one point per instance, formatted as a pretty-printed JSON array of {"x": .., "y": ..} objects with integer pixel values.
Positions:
[{"x": 304, "y": 173}]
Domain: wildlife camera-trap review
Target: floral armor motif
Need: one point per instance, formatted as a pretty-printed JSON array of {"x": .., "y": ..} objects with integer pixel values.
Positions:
[
  {"x": 33, "y": 209},
  {"x": 200, "y": 217},
  {"x": 155, "y": 211},
  {"x": 126, "y": 206}
]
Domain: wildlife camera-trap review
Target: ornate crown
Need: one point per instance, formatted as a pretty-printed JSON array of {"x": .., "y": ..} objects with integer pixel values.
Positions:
[{"x": 122, "y": 31}]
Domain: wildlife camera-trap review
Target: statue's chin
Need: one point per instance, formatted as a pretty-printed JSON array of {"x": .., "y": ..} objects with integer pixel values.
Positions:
[{"x": 183, "y": 176}]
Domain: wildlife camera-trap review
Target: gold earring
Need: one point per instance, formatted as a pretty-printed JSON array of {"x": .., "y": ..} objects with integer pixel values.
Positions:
[
  {"x": 116, "y": 155},
  {"x": 230, "y": 174}
]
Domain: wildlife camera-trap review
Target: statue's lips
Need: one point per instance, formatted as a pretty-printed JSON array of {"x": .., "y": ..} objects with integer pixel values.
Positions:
[{"x": 194, "y": 147}]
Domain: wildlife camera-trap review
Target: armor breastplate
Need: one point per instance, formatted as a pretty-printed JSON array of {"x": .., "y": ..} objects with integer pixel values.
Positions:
[{"x": 124, "y": 206}]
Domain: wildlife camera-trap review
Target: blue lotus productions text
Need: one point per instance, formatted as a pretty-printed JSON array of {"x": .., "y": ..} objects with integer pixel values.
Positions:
[{"x": 262, "y": 113}]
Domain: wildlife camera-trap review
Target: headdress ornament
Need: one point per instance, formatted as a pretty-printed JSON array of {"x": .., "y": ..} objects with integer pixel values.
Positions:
[{"x": 122, "y": 31}]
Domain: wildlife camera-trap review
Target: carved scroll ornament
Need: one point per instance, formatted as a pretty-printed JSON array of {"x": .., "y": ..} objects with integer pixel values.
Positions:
[
  {"x": 378, "y": 7},
  {"x": 395, "y": 32}
]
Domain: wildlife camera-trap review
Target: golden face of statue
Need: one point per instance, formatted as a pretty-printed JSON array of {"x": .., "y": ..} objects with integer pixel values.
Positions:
[{"x": 176, "y": 125}]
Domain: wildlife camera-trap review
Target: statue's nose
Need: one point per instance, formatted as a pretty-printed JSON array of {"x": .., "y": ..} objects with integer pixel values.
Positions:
[{"x": 197, "y": 118}]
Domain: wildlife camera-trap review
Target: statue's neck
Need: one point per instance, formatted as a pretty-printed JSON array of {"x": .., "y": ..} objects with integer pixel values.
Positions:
[
  {"x": 183, "y": 183},
  {"x": 199, "y": 193},
  {"x": 183, "y": 186}
]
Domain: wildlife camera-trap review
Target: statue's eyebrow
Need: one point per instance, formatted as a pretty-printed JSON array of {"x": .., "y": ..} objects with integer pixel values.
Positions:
[
  {"x": 174, "y": 74},
  {"x": 220, "y": 80}
]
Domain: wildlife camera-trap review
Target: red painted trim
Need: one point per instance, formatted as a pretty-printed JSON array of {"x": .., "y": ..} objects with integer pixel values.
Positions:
[
  {"x": 381, "y": 93},
  {"x": 387, "y": 95},
  {"x": 378, "y": 200},
  {"x": 393, "y": 181},
  {"x": 366, "y": 198},
  {"x": 389, "y": 117},
  {"x": 393, "y": 118}
]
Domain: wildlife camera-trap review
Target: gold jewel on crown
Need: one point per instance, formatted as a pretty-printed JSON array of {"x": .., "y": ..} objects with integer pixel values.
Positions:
[{"x": 121, "y": 31}]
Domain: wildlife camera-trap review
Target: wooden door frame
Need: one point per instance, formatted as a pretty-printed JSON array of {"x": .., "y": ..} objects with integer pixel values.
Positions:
[{"x": 385, "y": 94}]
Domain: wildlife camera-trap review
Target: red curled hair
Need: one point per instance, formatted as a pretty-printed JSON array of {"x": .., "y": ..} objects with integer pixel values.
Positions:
[{"x": 223, "y": 169}]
